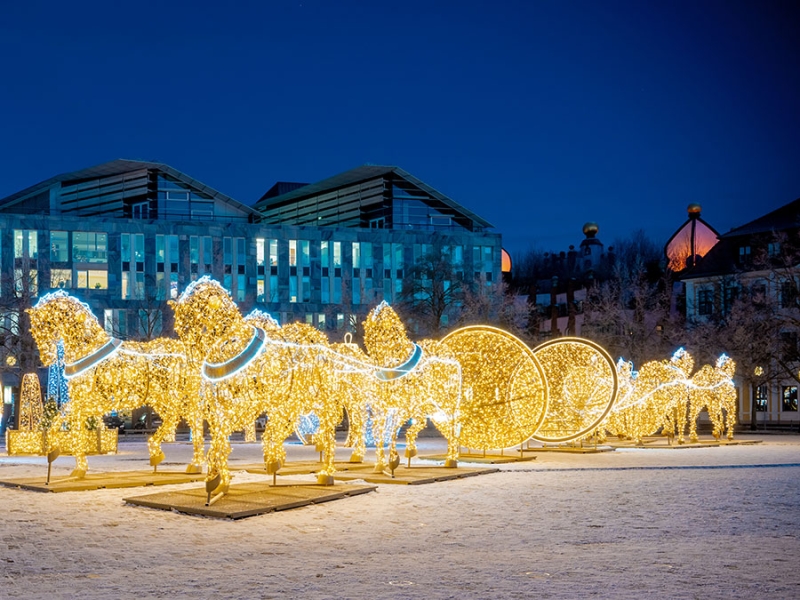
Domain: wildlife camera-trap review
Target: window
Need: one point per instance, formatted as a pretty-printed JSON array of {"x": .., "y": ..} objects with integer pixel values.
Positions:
[
  {"x": 91, "y": 279},
  {"x": 325, "y": 285},
  {"x": 731, "y": 295},
  {"x": 89, "y": 247},
  {"x": 788, "y": 293},
  {"x": 116, "y": 322},
  {"x": 140, "y": 210},
  {"x": 744, "y": 254},
  {"x": 705, "y": 302},
  {"x": 26, "y": 254},
  {"x": 273, "y": 270},
  {"x": 774, "y": 248},
  {"x": 132, "y": 259},
  {"x": 200, "y": 256},
  {"x": 789, "y": 397},
  {"x": 760, "y": 397},
  {"x": 60, "y": 278},
  {"x": 166, "y": 266},
  {"x": 233, "y": 263},
  {"x": 59, "y": 246},
  {"x": 299, "y": 271},
  {"x": 759, "y": 293}
]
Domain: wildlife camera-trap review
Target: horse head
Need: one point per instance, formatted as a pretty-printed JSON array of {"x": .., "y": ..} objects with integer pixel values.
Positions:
[
  {"x": 59, "y": 316},
  {"x": 385, "y": 337},
  {"x": 208, "y": 321},
  {"x": 726, "y": 365},
  {"x": 683, "y": 361}
]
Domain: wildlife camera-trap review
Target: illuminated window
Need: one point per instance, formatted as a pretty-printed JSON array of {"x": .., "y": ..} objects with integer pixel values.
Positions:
[
  {"x": 760, "y": 397},
  {"x": 789, "y": 395}
]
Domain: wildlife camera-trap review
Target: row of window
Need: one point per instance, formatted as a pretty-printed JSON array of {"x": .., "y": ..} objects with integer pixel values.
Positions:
[
  {"x": 88, "y": 251},
  {"x": 787, "y": 296},
  {"x": 788, "y": 398}
]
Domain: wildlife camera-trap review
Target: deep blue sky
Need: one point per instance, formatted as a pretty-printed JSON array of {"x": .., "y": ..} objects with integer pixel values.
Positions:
[{"x": 537, "y": 115}]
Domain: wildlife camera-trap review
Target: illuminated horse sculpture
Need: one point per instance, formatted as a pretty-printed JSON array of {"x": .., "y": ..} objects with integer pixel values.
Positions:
[
  {"x": 106, "y": 374},
  {"x": 414, "y": 382},
  {"x": 250, "y": 367},
  {"x": 712, "y": 388},
  {"x": 653, "y": 398}
]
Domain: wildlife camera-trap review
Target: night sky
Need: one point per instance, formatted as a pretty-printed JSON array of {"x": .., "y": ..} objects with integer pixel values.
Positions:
[{"x": 537, "y": 115}]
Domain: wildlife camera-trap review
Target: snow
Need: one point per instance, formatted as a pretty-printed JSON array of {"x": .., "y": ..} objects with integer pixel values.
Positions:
[{"x": 636, "y": 523}]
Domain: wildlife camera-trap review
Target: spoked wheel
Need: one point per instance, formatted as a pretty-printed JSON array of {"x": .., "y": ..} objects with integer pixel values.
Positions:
[
  {"x": 582, "y": 385},
  {"x": 504, "y": 397}
]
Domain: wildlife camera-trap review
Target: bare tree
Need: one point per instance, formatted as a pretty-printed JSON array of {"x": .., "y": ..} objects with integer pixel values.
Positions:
[
  {"x": 495, "y": 305},
  {"x": 433, "y": 289}
]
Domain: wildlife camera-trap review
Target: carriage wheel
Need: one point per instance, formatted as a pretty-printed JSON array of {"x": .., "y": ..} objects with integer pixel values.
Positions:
[
  {"x": 582, "y": 385},
  {"x": 504, "y": 391}
]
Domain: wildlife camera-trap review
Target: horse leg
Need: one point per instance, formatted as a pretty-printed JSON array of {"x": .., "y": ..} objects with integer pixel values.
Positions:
[
  {"x": 198, "y": 444},
  {"x": 250, "y": 432},
  {"x": 326, "y": 442},
  {"x": 411, "y": 437},
  {"x": 279, "y": 427},
  {"x": 356, "y": 431},
  {"x": 169, "y": 424},
  {"x": 694, "y": 411},
  {"x": 378, "y": 434},
  {"x": 79, "y": 444},
  {"x": 218, "y": 477}
]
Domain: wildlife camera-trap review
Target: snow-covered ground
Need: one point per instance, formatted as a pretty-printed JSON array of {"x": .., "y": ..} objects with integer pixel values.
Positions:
[{"x": 638, "y": 523}]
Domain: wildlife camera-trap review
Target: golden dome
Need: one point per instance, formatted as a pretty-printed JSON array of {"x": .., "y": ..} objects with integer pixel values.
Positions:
[{"x": 590, "y": 229}]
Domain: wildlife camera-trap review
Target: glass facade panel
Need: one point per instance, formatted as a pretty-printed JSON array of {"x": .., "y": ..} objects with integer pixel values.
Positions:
[
  {"x": 89, "y": 247},
  {"x": 59, "y": 246}
]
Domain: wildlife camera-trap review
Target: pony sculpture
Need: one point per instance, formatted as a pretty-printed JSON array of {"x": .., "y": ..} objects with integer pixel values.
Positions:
[
  {"x": 250, "y": 367},
  {"x": 106, "y": 374},
  {"x": 712, "y": 389},
  {"x": 414, "y": 382}
]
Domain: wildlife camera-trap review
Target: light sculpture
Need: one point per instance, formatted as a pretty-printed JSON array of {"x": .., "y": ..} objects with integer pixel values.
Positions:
[
  {"x": 57, "y": 388},
  {"x": 504, "y": 389},
  {"x": 414, "y": 382},
  {"x": 105, "y": 374},
  {"x": 31, "y": 408},
  {"x": 665, "y": 396},
  {"x": 712, "y": 388},
  {"x": 582, "y": 386},
  {"x": 251, "y": 366},
  {"x": 480, "y": 386}
]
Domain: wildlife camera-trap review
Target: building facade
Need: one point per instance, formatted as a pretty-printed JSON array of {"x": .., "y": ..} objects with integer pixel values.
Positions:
[
  {"x": 749, "y": 283},
  {"x": 128, "y": 236}
]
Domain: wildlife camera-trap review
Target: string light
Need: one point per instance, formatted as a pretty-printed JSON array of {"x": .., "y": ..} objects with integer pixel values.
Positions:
[
  {"x": 582, "y": 387},
  {"x": 105, "y": 374},
  {"x": 665, "y": 395}
]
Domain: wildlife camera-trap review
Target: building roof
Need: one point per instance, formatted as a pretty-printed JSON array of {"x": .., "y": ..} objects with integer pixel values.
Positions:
[
  {"x": 785, "y": 217},
  {"x": 722, "y": 259},
  {"x": 358, "y": 175},
  {"x": 118, "y": 167}
]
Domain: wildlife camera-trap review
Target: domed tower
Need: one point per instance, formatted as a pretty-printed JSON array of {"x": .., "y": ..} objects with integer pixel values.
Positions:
[
  {"x": 591, "y": 248},
  {"x": 691, "y": 242}
]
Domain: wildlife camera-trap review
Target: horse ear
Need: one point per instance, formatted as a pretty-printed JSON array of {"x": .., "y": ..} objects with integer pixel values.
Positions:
[{"x": 172, "y": 304}]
